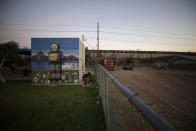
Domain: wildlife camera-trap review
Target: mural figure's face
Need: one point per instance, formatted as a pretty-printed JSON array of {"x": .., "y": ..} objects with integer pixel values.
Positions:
[
  {"x": 53, "y": 56},
  {"x": 54, "y": 47}
]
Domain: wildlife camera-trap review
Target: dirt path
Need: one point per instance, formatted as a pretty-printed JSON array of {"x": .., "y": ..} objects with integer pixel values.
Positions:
[{"x": 170, "y": 93}]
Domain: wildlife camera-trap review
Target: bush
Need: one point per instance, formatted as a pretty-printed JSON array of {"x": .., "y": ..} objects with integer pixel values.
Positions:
[{"x": 93, "y": 79}]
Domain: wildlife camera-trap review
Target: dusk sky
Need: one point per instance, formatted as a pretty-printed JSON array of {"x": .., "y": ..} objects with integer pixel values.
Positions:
[{"x": 161, "y": 25}]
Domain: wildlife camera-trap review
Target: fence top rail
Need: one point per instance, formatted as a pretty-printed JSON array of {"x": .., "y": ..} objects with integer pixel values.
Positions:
[{"x": 157, "y": 122}]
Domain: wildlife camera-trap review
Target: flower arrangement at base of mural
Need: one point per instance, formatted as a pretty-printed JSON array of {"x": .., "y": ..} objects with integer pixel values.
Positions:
[{"x": 43, "y": 77}]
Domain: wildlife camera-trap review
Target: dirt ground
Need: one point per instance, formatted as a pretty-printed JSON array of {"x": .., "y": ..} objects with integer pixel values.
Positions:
[{"x": 170, "y": 93}]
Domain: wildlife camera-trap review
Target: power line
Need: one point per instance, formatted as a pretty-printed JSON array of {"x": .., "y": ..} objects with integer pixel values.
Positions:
[
  {"x": 143, "y": 30},
  {"x": 141, "y": 35},
  {"x": 136, "y": 41},
  {"x": 117, "y": 33},
  {"x": 112, "y": 27},
  {"x": 48, "y": 30},
  {"x": 89, "y": 44},
  {"x": 45, "y": 25}
]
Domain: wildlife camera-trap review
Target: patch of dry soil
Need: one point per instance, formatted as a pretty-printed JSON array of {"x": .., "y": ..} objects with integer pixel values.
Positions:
[{"x": 170, "y": 93}]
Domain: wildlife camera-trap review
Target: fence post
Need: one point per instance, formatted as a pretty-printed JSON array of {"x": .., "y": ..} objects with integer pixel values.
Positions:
[{"x": 107, "y": 106}]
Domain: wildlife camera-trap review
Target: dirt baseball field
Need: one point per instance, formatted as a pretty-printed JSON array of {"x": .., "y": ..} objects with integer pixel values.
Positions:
[{"x": 170, "y": 93}]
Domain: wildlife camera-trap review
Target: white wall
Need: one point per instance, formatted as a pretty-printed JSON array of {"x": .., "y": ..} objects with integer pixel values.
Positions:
[{"x": 81, "y": 60}]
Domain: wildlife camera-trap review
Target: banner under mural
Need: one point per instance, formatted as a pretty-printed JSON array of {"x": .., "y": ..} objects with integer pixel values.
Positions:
[{"x": 57, "y": 60}]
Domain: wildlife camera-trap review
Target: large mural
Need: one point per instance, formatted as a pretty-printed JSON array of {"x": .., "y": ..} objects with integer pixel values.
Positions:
[{"x": 55, "y": 60}]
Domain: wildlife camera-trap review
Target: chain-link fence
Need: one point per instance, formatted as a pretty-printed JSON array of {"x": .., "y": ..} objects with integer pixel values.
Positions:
[{"x": 123, "y": 110}]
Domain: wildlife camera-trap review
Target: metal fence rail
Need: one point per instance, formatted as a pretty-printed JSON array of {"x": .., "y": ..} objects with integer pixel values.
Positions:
[{"x": 123, "y": 110}]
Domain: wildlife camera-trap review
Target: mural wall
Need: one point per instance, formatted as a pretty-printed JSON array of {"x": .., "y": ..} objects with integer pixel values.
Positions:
[{"x": 55, "y": 60}]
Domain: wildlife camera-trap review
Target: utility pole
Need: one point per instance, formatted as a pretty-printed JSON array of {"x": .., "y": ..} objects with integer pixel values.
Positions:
[
  {"x": 97, "y": 41},
  {"x": 97, "y": 35}
]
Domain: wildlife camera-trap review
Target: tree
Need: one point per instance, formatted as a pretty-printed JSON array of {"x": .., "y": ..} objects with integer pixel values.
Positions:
[
  {"x": 9, "y": 50},
  {"x": 39, "y": 55},
  {"x": 8, "y": 55}
]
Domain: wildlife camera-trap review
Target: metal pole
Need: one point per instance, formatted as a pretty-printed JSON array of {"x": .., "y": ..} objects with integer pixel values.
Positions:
[
  {"x": 97, "y": 41},
  {"x": 97, "y": 35},
  {"x": 107, "y": 106}
]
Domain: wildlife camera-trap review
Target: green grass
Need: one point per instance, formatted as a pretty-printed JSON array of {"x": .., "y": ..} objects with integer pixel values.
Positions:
[{"x": 24, "y": 107}]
